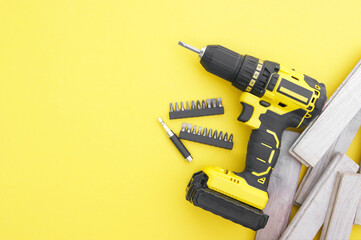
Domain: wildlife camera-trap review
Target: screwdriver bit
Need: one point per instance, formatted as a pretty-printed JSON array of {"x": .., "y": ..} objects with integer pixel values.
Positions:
[
  {"x": 226, "y": 137},
  {"x": 220, "y": 135},
  {"x": 171, "y": 107},
  {"x": 209, "y": 105},
  {"x": 198, "y": 105},
  {"x": 194, "y": 129},
  {"x": 196, "y": 50},
  {"x": 204, "y": 132},
  {"x": 193, "y": 105},
  {"x": 184, "y": 126},
  {"x": 215, "y": 134},
  {"x": 214, "y": 102},
  {"x": 189, "y": 128},
  {"x": 220, "y": 102}
]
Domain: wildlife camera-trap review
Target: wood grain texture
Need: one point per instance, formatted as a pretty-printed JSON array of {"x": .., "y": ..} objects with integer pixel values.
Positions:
[
  {"x": 342, "y": 208},
  {"x": 281, "y": 189},
  {"x": 337, "y": 113},
  {"x": 341, "y": 145},
  {"x": 358, "y": 212},
  {"x": 332, "y": 199},
  {"x": 310, "y": 217},
  {"x": 358, "y": 215}
]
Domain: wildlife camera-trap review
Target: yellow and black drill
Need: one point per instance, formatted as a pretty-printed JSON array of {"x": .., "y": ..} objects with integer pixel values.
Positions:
[{"x": 274, "y": 98}]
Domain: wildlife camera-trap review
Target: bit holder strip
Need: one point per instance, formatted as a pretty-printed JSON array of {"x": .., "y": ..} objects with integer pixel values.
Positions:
[
  {"x": 206, "y": 137},
  {"x": 196, "y": 109}
]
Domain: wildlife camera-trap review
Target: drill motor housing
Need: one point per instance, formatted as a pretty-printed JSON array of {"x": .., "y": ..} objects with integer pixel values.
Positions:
[{"x": 255, "y": 76}]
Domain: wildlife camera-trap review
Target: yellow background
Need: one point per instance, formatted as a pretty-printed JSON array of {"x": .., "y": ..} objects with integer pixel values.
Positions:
[{"x": 82, "y": 84}]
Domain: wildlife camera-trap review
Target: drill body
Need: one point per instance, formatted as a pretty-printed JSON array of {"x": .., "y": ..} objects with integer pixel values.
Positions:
[{"x": 273, "y": 98}]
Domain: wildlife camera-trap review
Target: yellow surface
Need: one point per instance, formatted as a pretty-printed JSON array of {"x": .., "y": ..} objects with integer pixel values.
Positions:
[{"x": 82, "y": 84}]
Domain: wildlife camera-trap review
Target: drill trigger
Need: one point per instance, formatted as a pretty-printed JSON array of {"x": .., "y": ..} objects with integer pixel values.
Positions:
[{"x": 246, "y": 113}]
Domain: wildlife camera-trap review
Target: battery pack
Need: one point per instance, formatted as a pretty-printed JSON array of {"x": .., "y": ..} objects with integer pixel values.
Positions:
[{"x": 201, "y": 196}]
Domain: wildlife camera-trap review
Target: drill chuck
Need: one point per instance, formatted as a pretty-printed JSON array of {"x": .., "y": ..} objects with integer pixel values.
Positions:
[
  {"x": 222, "y": 62},
  {"x": 236, "y": 68}
]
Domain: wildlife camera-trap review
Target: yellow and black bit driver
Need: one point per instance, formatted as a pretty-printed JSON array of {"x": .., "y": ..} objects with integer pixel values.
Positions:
[{"x": 274, "y": 98}]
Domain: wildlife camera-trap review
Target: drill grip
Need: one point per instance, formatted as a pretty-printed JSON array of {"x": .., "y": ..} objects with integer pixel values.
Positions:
[{"x": 262, "y": 154}]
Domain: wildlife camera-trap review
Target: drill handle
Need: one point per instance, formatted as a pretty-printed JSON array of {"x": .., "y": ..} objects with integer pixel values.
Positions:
[
  {"x": 268, "y": 122},
  {"x": 262, "y": 153}
]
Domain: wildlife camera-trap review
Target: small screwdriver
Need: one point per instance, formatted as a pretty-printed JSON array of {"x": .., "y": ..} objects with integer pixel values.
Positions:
[{"x": 181, "y": 148}]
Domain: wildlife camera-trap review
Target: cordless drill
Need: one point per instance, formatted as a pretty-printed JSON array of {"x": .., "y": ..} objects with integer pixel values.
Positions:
[{"x": 273, "y": 98}]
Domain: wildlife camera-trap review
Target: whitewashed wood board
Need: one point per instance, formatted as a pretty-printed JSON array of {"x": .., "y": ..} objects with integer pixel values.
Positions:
[
  {"x": 311, "y": 215},
  {"x": 358, "y": 213},
  {"x": 341, "y": 145},
  {"x": 342, "y": 208}
]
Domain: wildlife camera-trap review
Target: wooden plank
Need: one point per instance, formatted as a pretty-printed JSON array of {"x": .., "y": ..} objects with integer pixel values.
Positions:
[
  {"x": 296, "y": 201},
  {"x": 341, "y": 211},
  {"x": 341, "y": 145},
  {"x": 339, "y": 110},
  {"x": 281, "y": 189},
  {"x": 311, "y": 215},
  {"x": 358, "y": 215},
  {"x": 332, "y": 199},
  {"x": 358, "y": 65},
  {"x": 358, "y": 212}
]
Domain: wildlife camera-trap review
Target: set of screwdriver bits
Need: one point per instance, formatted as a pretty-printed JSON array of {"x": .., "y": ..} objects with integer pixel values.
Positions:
[
  {"x": 205, "y": 136},
  {"x": 196, "y": 109}
]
